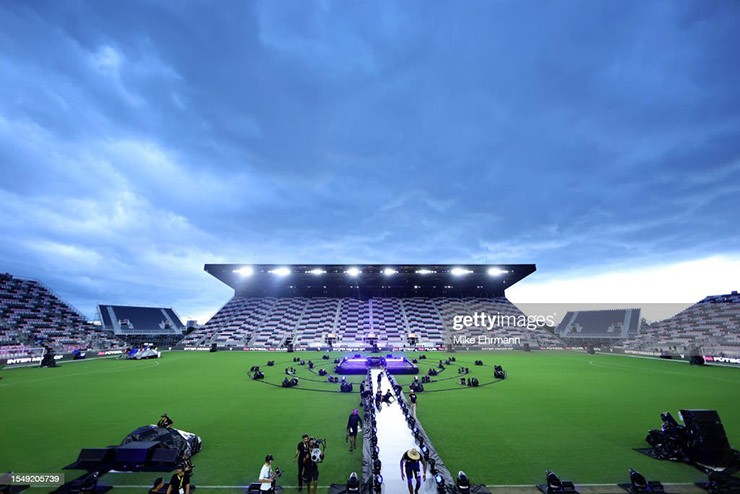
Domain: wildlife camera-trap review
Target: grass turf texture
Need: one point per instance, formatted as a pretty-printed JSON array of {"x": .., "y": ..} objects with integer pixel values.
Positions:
[{"x": 577, "y": 414}]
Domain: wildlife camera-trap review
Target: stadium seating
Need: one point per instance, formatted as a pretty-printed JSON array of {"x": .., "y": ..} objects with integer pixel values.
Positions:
[
  {"x": 711, "y": 324},
  {"x": 599, "y": 327},
  {"x": 138, "y": 325},
  {"x": 31, "y": 314},
  {"x": 306, "y": 322}
]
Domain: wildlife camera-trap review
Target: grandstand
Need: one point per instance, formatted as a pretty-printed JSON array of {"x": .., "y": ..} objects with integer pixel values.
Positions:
[
  {"x": 137, "y": 325},
  {"x": 711, "y": 326},
  {"x": 599, "y": 327},
  {"x": 310, "y": 306},
  {"x": 32, "y": 315}
]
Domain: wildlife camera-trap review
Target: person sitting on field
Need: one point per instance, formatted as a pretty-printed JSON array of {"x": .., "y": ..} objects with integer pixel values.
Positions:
[{"x": 388, "y": 397}]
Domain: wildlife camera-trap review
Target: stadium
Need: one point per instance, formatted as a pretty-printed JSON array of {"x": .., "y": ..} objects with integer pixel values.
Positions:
[{"x": 503, "y": 396}]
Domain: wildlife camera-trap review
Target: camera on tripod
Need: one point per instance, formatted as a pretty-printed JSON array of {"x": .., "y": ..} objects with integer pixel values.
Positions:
[{"x": 277, "y": 472}]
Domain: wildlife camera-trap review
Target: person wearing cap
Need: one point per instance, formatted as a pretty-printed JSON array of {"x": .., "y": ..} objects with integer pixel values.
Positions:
[
  {"x": 301, "y": 452},
  {"x": 180, "y": 482},
  {"x": 411, "y": 463},
  {"x": 267, "y": 476},
  {"x": 353, "y": 424}
]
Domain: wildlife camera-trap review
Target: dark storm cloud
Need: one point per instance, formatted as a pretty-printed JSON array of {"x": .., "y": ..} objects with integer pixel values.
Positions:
[{"x": 140, "y": 140}]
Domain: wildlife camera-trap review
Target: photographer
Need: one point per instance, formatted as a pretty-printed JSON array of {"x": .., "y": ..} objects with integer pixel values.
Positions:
[
  {"x": 317, "y": 449},
  {"x": 267, "y": 476}
]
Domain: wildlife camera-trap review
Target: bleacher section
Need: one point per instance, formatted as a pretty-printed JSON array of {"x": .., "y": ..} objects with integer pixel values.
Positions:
[
  {"x": 387, "y": 318},
  {"x": 712, "y": 324},
  {"x": 306, "y": 322},
  {"x": 599, "y": 327},
  {"x": 31, "y": 313},
  {"x": 136, "y": 325}
]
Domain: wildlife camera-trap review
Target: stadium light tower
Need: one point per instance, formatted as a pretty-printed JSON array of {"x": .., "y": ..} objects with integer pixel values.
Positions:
[
  {"x": 353, "y": 272},
  {"x": 496, "y": 271},
  {"x": 424, "y": 271},
  {"x": 245, "y": 271},
  {"x": 389, "y": 271},
  {"x": 316, "y": 271}
]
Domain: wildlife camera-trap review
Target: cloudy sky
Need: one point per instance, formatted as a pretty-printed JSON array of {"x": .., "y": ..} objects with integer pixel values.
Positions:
[{"x": 597, "y": 139}]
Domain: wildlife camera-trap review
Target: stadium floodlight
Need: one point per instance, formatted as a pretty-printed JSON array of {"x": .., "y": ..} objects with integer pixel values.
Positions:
[
  {"x": 316, "y": 271},
  {"x": 424, "y": 271},
  {"x": 245, "y": 271},
  {"x": 280, "y": 271},
  {"x": 460, "y": 271},
  {"x": 496, "y": 271},
  {"x": 353, "y": 272},
  {"x": 389, "y": 271}
]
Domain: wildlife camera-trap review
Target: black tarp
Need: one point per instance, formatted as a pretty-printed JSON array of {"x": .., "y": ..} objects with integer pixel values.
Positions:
[{"x": 187, "y": 443}]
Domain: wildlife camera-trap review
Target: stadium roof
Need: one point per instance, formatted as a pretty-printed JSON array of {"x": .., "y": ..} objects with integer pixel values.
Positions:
[{"x": 370, "y": 280}]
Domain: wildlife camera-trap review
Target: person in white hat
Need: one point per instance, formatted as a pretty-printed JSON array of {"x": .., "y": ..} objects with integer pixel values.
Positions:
[{"x": 411, "y": 463}]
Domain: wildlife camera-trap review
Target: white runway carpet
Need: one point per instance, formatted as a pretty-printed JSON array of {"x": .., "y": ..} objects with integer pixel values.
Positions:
[{"x": 394, "y": 439}]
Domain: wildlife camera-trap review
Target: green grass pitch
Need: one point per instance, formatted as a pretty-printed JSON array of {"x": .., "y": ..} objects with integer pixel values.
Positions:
[{"x": 577, "y": 414}]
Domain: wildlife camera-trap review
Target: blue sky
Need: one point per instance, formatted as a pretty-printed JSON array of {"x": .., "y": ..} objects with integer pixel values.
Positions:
[{"x": 599, "y": 140}]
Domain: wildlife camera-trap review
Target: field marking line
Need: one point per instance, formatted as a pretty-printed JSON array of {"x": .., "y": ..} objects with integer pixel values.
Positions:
[
  {"x": 604, "y": 364},
  {"x": 100, "y": 371},
  {"x": 200, "y": 486},
  {"x": 579, "y": 484}
]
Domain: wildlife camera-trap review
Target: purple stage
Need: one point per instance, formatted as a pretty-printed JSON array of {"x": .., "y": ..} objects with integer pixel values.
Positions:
[{"x": 360, "y": 365}]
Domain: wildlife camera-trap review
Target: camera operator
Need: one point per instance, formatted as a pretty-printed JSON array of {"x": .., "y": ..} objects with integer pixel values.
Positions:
[
  {"x": 267, "y": 476},
  {"x": 317, "y": 449},
  {"x": 300, "y": 454}
]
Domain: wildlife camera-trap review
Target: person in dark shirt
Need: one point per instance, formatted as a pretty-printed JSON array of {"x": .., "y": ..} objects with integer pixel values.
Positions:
[
  {"x": 353, "y": 424},
  {"x": 388, "y": 397},
  {"x": 412, "y": 403},
  {"x": 180, "y": 482},
  {"x": 311, "y": 472},
  {"x": 378, "y": 399},
  {"x": 300, "y": 458},
  {"x": 157, "y": 486},
  {"x": 165, "y": 422},
  {"x": 411, "y": 463}
]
